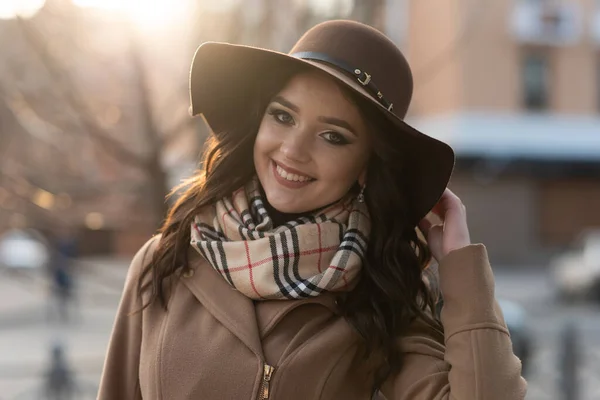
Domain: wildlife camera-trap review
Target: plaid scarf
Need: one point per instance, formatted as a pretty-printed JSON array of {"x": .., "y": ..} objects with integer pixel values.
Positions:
[{"x": 302, "y": 258}]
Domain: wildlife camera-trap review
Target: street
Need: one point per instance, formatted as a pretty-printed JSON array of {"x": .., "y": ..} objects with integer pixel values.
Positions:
[
  {"x": 547, "y": 321},
  {"x": 27, "y": 334},
  {"x": 29, "y": 328}
]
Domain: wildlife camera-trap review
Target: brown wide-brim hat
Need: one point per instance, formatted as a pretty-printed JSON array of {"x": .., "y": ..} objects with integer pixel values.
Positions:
[{"x": 225, "y": 78}]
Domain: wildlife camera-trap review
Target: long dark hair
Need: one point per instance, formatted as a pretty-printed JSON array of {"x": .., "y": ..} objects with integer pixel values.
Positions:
[{"x": 391, "y": 292}]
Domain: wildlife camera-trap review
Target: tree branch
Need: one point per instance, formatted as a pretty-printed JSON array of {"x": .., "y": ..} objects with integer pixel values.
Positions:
[{"x": 75, "y": 100}]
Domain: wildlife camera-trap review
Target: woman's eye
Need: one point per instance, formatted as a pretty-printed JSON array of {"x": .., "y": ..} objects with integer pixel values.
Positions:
[
  {"x": 334, "y": 138},
  {"x": 282, "y": 117}
]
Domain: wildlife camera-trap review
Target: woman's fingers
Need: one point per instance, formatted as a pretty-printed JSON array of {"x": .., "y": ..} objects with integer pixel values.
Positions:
[
  {"x": 434, "y": 235},
  {"x": 447, "y": 202},
  {"x": 425, "y": 225},
  {"x": 454, "y": 232},
  {"x": 435, "y": 241}
]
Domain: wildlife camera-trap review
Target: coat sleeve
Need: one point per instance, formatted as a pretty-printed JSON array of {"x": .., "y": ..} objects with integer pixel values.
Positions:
[
  {"x": 120, "y": 374},
  {"x": 473, "y": 359}
]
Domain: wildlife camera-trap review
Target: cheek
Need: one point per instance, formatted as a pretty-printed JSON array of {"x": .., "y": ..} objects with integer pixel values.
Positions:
[
  {"x": 265, "y": 145},
  {"x": 261, "y": 143},
  {"x": 343, "y": 168},
  {"x": 266, "y": 139}
]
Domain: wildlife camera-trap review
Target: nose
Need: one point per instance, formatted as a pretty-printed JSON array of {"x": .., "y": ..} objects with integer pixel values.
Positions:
[{"x": 296, "y": 147}]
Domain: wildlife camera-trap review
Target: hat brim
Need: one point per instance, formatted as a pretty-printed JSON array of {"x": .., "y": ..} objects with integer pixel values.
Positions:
[{"x": 224, "y": 79}]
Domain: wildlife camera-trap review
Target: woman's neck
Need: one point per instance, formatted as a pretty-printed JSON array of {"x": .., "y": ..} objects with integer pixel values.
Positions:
[{"x": 280, "y": 218}]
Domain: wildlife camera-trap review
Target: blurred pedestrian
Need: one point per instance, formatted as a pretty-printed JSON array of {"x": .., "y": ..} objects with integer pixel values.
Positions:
[
  {"x": 61, "y": 275},
  {"x": 59, "y": 382},
  {"x": 291, "y": 267},
  {"x": 569, "y": 362}
]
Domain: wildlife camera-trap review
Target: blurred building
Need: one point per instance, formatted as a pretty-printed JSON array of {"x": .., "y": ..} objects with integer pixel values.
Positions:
[{"x": 514, "y": 87}]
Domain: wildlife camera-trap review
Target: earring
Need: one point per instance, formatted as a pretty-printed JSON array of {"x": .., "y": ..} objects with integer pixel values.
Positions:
[{"x": 361, "y": 195}]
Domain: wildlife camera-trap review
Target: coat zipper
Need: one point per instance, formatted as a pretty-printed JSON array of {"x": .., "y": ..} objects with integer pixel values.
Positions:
[{"x": 263, "y": 394}]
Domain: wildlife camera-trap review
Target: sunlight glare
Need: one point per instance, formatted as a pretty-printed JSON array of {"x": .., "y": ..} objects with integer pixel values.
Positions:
[
  {"x": 20, "y": 8},
  {"x": 332, "y": 8},
  {"x": 219, "y": 6},
  {"x": 147, "y": 14}
]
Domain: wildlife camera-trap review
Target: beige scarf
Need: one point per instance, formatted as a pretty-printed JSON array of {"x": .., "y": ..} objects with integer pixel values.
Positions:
[{"x": 302, "y": 258}]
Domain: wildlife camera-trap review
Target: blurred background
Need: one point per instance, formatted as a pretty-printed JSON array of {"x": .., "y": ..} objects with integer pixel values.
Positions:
[{"x": 95, "y": 130}]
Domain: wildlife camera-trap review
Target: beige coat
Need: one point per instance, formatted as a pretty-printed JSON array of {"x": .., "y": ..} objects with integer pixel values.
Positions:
[{"x": 213, "y": 344}]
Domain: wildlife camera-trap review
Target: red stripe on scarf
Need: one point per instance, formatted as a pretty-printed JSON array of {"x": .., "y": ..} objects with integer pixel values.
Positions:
[
  {"x": 345, "y": 281},
  {"x": 319, "y": 262},
  {"x": 237, "y": 192},
  {"x": 249, "y": 266},
  {"x": 229, "y": 212},
  {"x": 343, "y": 274},
  {"x": 197, "y": 229},
  {"x": 280, "y": 257}
]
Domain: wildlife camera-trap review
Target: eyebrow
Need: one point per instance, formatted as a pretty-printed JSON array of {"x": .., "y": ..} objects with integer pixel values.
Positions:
[
  {"x": 328, "y": 120},
  {"x": 284, "y": 102},
  {"x": 338, "y": 122}
]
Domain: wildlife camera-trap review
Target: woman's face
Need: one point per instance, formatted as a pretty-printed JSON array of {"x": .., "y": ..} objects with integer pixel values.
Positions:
[{"x": 312, "y": 145}]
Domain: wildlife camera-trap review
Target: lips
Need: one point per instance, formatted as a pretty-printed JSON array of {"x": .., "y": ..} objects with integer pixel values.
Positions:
[{"x": 290, "y": 177}]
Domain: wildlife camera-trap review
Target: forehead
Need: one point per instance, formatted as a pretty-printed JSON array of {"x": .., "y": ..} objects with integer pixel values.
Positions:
[{"x": 316, "y": 90}]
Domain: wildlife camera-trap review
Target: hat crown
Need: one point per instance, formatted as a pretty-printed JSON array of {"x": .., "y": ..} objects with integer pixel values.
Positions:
[{"x": 365, "y": 48}]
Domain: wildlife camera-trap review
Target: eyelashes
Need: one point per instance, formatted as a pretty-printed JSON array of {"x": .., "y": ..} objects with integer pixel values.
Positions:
[
  {"x": 335, "y": 138},
  {"x": 284, "y": 118},
  {"x": 281, "y": 116}
]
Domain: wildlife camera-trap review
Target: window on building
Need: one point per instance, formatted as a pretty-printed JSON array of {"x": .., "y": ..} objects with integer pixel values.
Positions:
[{"x": 535, "y": 76}]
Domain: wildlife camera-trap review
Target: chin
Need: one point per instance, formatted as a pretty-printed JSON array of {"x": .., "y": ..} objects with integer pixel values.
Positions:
[
  {"x": 287, "y": 207},
  {"x": 300, "y": 202}
]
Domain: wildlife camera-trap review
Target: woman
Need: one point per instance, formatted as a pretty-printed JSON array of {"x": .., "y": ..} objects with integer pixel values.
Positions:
[{"x": 291, "y": 267}]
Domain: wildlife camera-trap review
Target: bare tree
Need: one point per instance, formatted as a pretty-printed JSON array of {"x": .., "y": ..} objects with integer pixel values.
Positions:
[
  {"x": 75, "y": 136},
  {"x": 68, "y": 104}
]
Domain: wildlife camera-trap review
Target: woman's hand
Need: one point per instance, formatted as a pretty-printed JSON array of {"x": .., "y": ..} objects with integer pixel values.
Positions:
[{"x": 452, "y": 233}]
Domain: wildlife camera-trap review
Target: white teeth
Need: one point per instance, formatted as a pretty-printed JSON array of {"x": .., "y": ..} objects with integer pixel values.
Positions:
[
  {"x": 281, "y": 172},
  {"x": 291, "y": 177}
]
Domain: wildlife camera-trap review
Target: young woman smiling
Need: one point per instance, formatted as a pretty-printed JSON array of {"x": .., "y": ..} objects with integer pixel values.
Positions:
[{"x": 291, "y": 267}]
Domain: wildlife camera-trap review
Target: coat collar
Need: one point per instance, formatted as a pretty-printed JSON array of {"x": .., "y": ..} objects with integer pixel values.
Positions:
[
  {"x": 270, "y": 312},
  {"x": 234, "y": 310}
]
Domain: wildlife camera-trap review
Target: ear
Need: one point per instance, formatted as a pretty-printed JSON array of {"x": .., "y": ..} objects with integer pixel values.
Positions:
[{"x": 362, "y": 178}]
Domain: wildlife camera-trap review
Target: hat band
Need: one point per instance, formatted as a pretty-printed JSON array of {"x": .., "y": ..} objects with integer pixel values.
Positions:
[{"x": 361, "y": 76}]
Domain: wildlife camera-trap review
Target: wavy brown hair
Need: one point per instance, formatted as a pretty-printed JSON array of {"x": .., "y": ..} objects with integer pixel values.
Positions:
[{"x": 391, "y": 292}]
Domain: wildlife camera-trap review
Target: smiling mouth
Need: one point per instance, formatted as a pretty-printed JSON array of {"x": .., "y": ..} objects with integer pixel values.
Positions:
[{"x": 290, "y": 176}]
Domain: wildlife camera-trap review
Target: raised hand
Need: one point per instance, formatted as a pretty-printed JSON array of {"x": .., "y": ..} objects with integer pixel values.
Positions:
[{"x": 452, "y": 233}]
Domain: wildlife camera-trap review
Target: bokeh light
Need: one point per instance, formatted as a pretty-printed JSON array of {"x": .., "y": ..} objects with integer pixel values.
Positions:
[
  {"x": 147, "y": 15},
  {"x": 43, "y": 199},
  {"x": 20, "y": 8},
  {"x": 94, "y": 221}
]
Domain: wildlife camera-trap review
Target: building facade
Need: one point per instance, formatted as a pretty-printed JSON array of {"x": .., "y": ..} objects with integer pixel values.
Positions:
[{"x": 514, "y": 87}]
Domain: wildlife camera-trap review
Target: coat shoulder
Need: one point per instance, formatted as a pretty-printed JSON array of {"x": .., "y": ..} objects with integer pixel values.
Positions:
[
  {"x": 141, "y": 259},
  {"x": 145, "y": 253}
]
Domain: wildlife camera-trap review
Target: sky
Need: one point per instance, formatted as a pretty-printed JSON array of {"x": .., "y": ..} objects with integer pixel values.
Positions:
[
  {"x": 155, "y": 13},
  {"x": 145, "y": 13}
]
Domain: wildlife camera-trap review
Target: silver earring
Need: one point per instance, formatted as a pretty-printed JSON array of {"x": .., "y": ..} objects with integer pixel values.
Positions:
[{"x": 361, "y": 195}]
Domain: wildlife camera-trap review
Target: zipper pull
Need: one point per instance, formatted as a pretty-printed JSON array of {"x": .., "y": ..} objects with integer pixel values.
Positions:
[{"x": 267, "y": 372}]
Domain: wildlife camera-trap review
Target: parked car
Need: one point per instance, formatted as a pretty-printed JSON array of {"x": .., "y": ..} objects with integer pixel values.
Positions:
[{"x": 576, "y": 273}]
